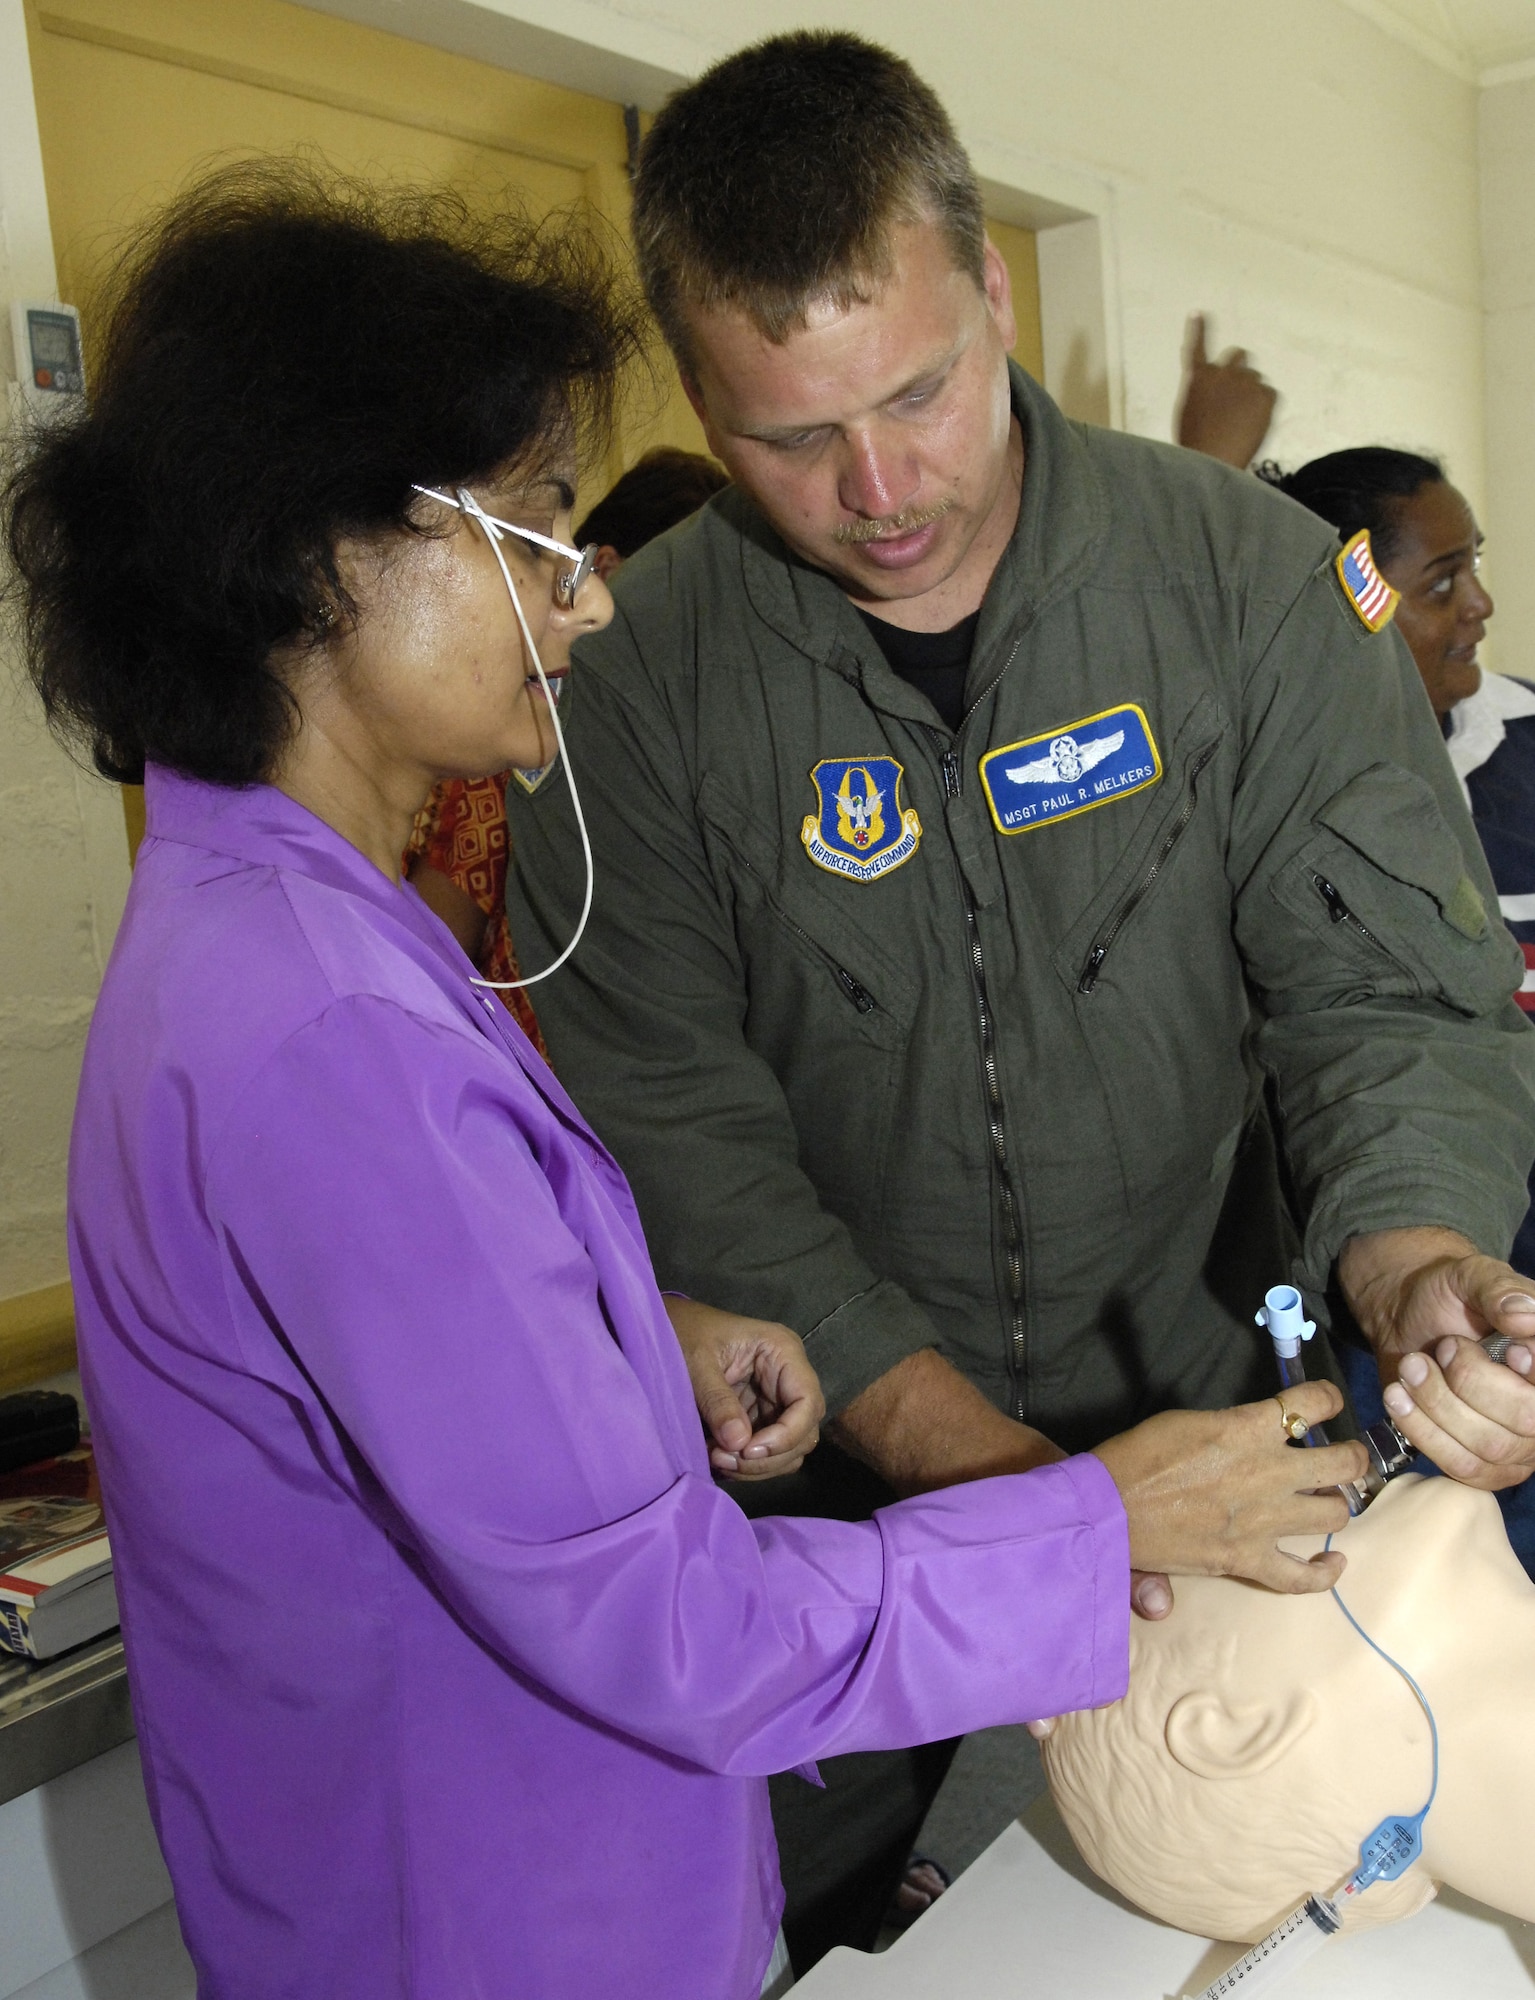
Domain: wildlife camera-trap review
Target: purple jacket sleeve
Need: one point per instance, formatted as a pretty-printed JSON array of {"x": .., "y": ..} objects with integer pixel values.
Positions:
[{"x": 458, "y": 1279}]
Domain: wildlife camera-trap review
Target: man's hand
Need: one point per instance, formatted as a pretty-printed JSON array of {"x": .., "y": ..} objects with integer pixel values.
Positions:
[
  {"x": 756, "y": 1391},
  {"x": 1226, "y": 407},
  {"x": 1212, "y": 1492},
  {"x": 1425, "y": 1299}
]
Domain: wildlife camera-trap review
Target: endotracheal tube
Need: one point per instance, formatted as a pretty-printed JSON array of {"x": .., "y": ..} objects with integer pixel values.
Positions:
[{"x": 1289, "y": 1329}]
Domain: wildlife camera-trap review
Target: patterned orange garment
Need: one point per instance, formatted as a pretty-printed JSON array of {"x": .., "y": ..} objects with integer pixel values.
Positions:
[{"x": 461, "y": 832}]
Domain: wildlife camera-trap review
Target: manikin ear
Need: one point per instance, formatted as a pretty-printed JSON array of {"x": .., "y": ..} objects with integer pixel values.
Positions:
[{"x": 1215, "y": 1738}]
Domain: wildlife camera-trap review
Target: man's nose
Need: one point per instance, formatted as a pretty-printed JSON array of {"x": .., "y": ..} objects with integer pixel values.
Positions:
[{"x": 878, "y": 478}]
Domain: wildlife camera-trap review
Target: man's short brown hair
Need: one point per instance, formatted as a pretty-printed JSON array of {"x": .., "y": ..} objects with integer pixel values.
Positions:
[{"x": 776, "y": 178}]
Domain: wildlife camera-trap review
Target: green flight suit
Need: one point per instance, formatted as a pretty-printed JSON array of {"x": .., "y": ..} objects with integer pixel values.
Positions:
[{"x": 999, "y": 1092}]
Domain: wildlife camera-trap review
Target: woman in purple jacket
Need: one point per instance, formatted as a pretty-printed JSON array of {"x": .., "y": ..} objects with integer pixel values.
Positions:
[{"x": 455, "y": 1672}]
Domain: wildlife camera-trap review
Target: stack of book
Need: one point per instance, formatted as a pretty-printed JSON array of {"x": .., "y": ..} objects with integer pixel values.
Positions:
[{"x": 56, "y": 1587}]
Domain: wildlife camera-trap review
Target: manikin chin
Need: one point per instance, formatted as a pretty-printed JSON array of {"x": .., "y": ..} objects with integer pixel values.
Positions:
[{"x": 1261, "y": 1739}]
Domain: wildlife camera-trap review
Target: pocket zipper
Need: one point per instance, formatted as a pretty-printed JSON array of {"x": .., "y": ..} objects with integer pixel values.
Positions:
[
  {"x": 1340, "y": 912},
  {"x": 860, "y": 996},
  {"x": 1093, "y": 964}
]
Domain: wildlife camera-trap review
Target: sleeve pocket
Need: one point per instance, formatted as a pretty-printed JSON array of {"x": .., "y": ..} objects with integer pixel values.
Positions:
[{"x": 1383, "y": 881}]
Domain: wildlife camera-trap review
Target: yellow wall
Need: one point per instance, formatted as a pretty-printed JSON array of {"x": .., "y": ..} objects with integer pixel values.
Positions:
[
  {"x": 1022, "y": 260},
  {"x": 37, "y": 1336},
  {"x": 135, "y": 96}
]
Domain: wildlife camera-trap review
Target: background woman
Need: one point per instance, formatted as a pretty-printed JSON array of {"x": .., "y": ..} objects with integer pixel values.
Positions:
[
  {"x": 1428, "y": 547},
  {"x": 454, "y": 1671}
]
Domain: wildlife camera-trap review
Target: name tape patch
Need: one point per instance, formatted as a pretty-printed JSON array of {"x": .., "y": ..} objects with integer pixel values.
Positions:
[
  {"x": 1363, "y": 585},
  {"x": 860, "y": 828},
  {"x": 1068, "y": 771}
]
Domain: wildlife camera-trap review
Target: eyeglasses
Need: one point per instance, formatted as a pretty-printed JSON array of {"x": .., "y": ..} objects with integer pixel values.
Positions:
[{"x": 568, "y": 583}]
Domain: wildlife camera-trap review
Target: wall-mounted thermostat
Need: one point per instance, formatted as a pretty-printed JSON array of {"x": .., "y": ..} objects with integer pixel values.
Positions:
[{"x": 49, "y": 365}]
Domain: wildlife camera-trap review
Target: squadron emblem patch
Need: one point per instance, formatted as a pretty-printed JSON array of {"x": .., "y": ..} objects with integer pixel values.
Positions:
[
  {"x": 861, "y": 829},
  {"x": 1086, "y": 764},
  {"x": 1363, "y": 585}
]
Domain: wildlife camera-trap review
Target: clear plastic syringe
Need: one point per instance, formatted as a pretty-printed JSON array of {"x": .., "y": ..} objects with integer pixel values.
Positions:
[{"x": 1275, "y": 1957}]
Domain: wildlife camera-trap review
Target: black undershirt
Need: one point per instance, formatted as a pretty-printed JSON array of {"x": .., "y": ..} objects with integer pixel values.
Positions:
[{"x": 935, "y": 663}]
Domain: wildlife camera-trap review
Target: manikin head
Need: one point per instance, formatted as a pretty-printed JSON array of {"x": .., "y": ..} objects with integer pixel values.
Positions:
[{"x": 1262, "y": 1739}]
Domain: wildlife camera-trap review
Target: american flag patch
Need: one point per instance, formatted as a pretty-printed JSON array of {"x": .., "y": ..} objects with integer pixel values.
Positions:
[{"x": 1363, "y": 585}]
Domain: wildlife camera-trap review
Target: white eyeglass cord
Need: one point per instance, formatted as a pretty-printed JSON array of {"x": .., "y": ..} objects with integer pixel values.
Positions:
[{"x": 476, "y": 513}]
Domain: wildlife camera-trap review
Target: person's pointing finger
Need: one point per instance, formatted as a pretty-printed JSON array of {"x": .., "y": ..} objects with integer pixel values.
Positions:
[{"x": 1194, "y": 354}]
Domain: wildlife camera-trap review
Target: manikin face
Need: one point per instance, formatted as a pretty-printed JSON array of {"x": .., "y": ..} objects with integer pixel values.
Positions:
[
  {"x": 1248, "y": 1711},
  {"x": 435, "y": 677},
  {"x": 1444, "y": 609},
  {"x": 875, "y": 438}
]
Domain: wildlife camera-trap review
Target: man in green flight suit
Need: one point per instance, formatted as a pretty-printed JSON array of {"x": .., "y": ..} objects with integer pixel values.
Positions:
[{"x": 1002, "y": 828}]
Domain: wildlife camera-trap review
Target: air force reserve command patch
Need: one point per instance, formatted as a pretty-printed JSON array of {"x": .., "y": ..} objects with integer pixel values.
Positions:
[
  {"x": 1363, "y": 585},
  {"x": 1070, "y": 770},
  {"x": 860, "y": 829}
]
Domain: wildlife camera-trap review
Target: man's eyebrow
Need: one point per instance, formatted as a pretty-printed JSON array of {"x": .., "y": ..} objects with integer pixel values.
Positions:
[{"x": 933, "y": 371}]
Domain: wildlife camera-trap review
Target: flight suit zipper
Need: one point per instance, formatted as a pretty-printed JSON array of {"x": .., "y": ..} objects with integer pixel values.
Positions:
[
  {"x": 1092, "y": 965},
  {"x": 1012, "y": 1219}
]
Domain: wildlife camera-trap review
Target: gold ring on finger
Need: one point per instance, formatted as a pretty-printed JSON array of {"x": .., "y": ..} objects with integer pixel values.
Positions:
[{"x": 1295, "y": 1427}]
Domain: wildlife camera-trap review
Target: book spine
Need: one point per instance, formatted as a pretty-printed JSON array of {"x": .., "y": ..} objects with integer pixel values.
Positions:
[{"x": 15, "y": 1629}]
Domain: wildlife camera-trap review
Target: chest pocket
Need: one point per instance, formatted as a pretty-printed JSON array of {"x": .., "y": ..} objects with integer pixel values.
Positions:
[
  {"x": 1383, "y": 883},
  {"x": 1155, "y": 986},
  {"x": 829, "y": 1008},
  {"x": 813, "y": 921}
]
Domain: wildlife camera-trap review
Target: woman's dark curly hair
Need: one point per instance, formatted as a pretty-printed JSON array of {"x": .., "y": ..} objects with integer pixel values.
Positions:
[
  {"x": 1361, "y": 488},
  {"x": 284, "y": 353}
]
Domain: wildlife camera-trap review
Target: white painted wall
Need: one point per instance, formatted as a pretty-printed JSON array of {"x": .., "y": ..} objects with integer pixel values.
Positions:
[
  {"x": 65, "y": 869},
  {"x": 1508, "y": 277}
]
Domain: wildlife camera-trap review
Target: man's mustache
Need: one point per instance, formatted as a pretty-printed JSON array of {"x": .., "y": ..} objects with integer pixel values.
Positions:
[{"x": 888, "y": 526}]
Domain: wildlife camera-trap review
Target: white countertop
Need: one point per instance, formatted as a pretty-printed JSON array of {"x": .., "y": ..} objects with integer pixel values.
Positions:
[{"x": 1029, "y": 1921}]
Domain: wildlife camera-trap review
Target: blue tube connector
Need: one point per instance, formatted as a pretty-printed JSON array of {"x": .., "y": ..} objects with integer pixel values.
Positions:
[{"x": 1285, "y": 1317}]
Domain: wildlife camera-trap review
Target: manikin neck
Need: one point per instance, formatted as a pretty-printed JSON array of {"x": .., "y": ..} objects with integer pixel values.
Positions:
[{"x": 1480, "y": 1836}]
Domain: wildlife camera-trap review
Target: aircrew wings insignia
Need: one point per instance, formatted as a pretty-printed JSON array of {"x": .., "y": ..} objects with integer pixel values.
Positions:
[{"x": 1067, "y": 760}]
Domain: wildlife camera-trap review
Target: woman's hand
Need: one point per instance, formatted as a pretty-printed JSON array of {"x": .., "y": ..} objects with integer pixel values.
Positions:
[
  {"x": 756, "y": 1391},
  {"x": 1211, "y": 1493}
]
